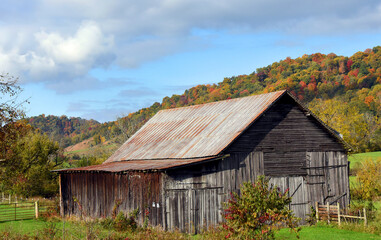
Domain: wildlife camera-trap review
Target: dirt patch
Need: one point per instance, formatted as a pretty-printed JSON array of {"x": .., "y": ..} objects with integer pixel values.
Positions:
[{"x": 85, "y": 144}]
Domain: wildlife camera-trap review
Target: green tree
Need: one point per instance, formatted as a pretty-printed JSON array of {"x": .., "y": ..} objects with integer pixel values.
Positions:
[
  {"x": 368, "y": 180},
  {"x": 26, "y": 169}
]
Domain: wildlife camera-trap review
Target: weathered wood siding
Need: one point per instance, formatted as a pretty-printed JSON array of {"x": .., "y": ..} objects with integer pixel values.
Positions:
[
  {"x": 328, "y": 179},
  {"x": 284, "y": 134},
  {"x": 194, "y": 195},
  {"x": 298, "y": 190},
  {"x": 98, "y": 193}
]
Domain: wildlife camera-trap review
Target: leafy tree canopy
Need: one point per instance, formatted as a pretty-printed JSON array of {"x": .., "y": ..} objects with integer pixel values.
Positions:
[{"x": 26, "y": 167}]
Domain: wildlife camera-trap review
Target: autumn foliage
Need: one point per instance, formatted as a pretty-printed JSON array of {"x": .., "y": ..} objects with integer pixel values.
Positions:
[{"x": 367, "y": 185}]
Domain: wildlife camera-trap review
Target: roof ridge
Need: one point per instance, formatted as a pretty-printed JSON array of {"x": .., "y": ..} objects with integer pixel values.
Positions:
[{"x": 221, "y": 101}]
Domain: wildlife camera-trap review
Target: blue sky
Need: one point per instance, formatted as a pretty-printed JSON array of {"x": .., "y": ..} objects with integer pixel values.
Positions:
[{"x": 104, "y": 59}]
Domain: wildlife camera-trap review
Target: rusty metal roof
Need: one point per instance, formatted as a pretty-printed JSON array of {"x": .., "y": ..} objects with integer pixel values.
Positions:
[
  {"x": 189, "y": 135},
  {"x": 195, "y": 131},
  {"x": 139, "y": 165}
]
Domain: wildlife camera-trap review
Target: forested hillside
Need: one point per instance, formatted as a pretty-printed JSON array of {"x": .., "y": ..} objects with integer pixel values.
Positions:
[
  {"x": 66, "y": 131},
  {"x": 343, "y": 91}
]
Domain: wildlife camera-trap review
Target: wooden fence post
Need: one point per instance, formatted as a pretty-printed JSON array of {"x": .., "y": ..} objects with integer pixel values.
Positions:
[
  {"x": 338, "y": 213},
  {"x": 365, "y": 220},
  {"x": 36, "y": 208},
  {"x": 328, "y": 212},
  {"x": 317, "y": 211}
]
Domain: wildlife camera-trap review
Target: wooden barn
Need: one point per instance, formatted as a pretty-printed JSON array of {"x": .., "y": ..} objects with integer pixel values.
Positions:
[{"x": 184, "y": 162}]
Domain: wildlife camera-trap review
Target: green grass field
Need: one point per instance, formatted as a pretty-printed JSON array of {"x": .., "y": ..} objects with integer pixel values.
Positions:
[
  {"x": 19, "y": 211},
  {"x": 356, "y": 159},
  {"x": 325, "y": 232},
  {"x": 35, "y": 227}
]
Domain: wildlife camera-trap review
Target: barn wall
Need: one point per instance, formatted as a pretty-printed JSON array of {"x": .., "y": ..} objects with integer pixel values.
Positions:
[
  {"x": 96, "y": 194},
  {"x": 194, "y": 195}
]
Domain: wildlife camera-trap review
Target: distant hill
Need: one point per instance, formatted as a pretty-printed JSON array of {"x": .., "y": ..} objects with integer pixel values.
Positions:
[
  {"x": 66, "y": 131},
  {"x": 346, "y": 91}
]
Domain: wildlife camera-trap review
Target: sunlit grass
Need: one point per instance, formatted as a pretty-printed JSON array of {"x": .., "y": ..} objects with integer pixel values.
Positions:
[
  {"x": 356, "y": 159},
  {"x": 325, "y": 232}
]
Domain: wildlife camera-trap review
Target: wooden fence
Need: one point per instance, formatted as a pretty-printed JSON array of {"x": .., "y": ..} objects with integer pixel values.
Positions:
[
  {"x": 9, "y": 198},
  {"x": 21, "y": 211},
  {"x": 334, "y": 213}
]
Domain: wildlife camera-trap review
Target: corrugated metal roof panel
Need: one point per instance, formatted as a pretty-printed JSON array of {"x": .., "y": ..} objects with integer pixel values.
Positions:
[
  {"x": 195, "y": 131},
  {"x": 138, "y": 165}
]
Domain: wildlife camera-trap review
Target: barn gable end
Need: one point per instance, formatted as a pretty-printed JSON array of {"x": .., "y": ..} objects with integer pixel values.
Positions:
[{"x": 284, "y": 133}]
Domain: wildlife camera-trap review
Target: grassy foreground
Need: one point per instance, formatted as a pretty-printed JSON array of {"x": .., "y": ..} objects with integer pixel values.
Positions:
[
  {"x": 40, "y": 229},
  {"x": 325, "y": 232}
]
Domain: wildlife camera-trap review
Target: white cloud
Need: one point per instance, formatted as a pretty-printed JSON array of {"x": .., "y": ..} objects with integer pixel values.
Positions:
[
  {"x": 87, "y": 43},
  {"x": 58, "y": 41},
  {"x": 53, "y": 56}
]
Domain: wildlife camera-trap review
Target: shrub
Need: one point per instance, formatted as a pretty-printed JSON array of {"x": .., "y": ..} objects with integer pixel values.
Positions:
[
  {"x": 115, "y": 208},
  {"x": 49, "y": 231},
  {"x": 52, "y": 212},
  {"x": 124, "y": 223},
  {"x": 368, "y": 180},
  {"x": 107, "y": 223},
  {"x": 311, "y": 217},
  {"x": 258, "y": 211}
]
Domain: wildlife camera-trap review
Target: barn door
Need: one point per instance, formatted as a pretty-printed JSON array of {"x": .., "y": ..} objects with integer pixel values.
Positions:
[
  {"x": 177, "y": 209},
  {"x": 316, "y": 177},
  {"x": 327, "y": 177},
  {"x": 337, "y": 173},
  {"x": 297, "y": 190},
  {"x": 206, "y": 207},
  {"x": 193, "y": 208}
]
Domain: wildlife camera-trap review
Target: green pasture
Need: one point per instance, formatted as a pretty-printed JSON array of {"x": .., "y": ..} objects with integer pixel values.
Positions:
[
  {"x": 36, "y": 227},
  {"x": 19, "y": 211},
  {"x": 325, "y": 232},
  {"x": 356, "y": 159}
]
